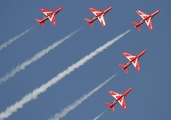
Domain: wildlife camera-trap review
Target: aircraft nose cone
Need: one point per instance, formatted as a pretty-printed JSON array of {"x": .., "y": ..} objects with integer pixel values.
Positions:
[
  {"x": 128, "y": 90},
  {"x": 62, "y": 7},
  {"x": 111, "y": 7},
  {"x": 144, "y": 51}
]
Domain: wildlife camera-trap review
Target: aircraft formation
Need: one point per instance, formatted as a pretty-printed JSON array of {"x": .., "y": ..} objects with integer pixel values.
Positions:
[
  {"x": 99, "y": 15},
  {"x": 133, "y": 59}
]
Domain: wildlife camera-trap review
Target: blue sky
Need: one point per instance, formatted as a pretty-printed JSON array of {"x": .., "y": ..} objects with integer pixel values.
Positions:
[{"x": 150, "y": 96}]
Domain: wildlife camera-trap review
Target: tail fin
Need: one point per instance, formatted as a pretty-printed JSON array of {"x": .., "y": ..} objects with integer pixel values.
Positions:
[
  {"x": 125, "y": 68},
  {"x": 110, "y": 105},
  {"x": 89, "y": 21},
  {"x": 137, "y": 26},
  {"x": 40, "y": 22}
]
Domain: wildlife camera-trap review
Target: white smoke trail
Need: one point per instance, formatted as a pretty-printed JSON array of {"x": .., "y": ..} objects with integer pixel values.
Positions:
[
  {"x": 99, "y": 115},
  {"x": 4, "y": 45},
  {"x": 35, "y": 58},
  {"x": 33, "y": 95},
  {"x": 66, "y": 110}
]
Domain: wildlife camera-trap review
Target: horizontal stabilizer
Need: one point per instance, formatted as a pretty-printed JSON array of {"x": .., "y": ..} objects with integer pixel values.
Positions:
[
  {"x": 110, "y": 106},
  {"x": 123, "y": 66},
  {"x": 89, "y": 21},
  {"x": 136, "y": 25},
  {"x": 40, "y": 22}
]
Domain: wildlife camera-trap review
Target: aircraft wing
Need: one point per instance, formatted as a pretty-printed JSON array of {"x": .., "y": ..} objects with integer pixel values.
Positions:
[
  {"x": 46, "y": 12},
  {"x": 122, "y": 102},
  {"x": 52, "y": 18},
  {"x": 97, "y": 13},
  {"x": 144, "y": 16},
  {"x": 149, "y": 23},
  {"x": 120, "y": 99},
  {"x": 136, "y": 64},
  {"x": 114, "y": 94},
  {"x": 101, "y": 19},
  {"x": 50, "y": 15},
  {"x": 128, "y": 56}
]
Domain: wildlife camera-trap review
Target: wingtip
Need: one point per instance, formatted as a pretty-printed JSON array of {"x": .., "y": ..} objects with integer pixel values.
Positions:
[
  {"x": 110, "y": 91},
  {"x": 123, "y": 53},
  {"x": 41, "y": 9}
]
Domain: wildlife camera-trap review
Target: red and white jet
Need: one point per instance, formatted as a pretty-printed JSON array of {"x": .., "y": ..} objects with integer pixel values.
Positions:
[
  {"x": 119, "y": 98},
  {"x": 98, "y": 15},
  {"x": 49, "y": 15},
  {"x": 147, "y": 18},
  {"x": 132, "y": 60}
]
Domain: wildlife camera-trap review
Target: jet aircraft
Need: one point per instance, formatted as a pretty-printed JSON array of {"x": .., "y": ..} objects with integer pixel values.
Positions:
[
  {"x": 118, "y": 98},
  {"x": 49, "y": 15},
  {"x": 147, "y": 18},
  {"x": 98, "y": 15},
  {"x": 132, "y": 60}
]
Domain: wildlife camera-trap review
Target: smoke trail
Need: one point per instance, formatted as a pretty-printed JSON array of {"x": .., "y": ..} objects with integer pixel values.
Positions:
[
  {"x": 66, "y": 110},
  {"x": 35, "y": 58},
  {"x": 99, "y": 115},
  {"x": 4, "y": 45},
  {"x": 33, "y": 95}
]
